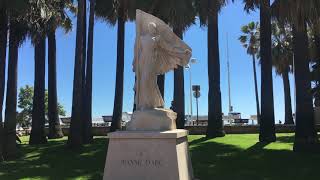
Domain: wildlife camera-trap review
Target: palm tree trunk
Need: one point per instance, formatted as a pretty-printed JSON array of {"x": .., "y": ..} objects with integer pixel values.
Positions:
[
  {"x": 38, "y": 135},
  {"x": 288, "y": 119},
  {"x": 161, "y": 82},
  {"x": 118, "y": 98},
  {"x": 84, "y": 60},
  {"x": 10, "y": 149},
  {"x": 87, "y": 133},
  {"x": 306, "y": 135},
  {"x": 53, "y": 114},
  {"x": 317, "y": 44},
  {"x": 178, "y": 93},
  {"x": 134, "y": 96},
  {"x": 3, "y": 51},
  {"x": 75, "y": 135},
  {"x": 84, "y": 49},
  {"x": 267, "y": 124},
  {"x": 215, "y": 123},
  {"x": 256, "y": 87}
]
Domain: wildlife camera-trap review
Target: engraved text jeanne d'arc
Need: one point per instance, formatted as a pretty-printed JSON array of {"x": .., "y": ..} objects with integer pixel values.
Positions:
[{"x": 141, "y": 163}]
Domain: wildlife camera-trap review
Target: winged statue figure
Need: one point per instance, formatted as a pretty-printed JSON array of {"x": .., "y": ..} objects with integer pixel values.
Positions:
[{"x": 157, "y": 50}]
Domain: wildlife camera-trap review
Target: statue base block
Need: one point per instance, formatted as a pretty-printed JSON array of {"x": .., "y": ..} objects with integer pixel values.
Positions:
[
  {"x": 158, "y": 119},
  {"x": 149, "y": 155}
]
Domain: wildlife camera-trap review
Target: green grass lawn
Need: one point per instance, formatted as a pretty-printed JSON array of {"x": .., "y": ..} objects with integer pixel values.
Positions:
[{"x": 232, "y": 157}]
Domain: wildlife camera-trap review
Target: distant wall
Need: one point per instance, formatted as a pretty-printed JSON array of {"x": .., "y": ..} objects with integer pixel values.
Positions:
[{"x": 200, "y": 130}]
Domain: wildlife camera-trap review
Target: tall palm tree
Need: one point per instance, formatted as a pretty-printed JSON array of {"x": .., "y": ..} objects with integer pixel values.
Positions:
[
  {"x": 61, "y": 19},
  {"x": 84, "y": 46},
  {"x": 37, "y": 18},
  {"x": 118, "y": 98},
  {"x": 53, "y": 115},
  {"x": 315, "y": 58},
  {"x": 267, "y": 121},
  {"x": 119, "y": 11},
  {"x": 250, "y": 41},
  {"x": 178, "y": 93},
  {"x": 209, "y": 15},
  {"x": 88, "y": 138},
  {"x": 298, "y": 12},
  {"x": 282, "y": 57},
  {"x": 75, "y": 139},
  {"x": 18, "y": 32},
  {"x": 38, "y": 135},
  {"x": 3, "y": 51}
]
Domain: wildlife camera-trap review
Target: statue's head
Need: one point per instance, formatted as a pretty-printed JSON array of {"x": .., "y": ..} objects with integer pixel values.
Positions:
[{"x": 152, "y": 27}]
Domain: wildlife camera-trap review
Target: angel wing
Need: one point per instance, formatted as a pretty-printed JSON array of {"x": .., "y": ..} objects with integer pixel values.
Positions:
[{"x": 171, "y": 51}]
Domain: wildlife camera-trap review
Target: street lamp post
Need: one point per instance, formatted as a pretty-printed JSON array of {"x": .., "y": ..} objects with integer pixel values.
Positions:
[
  {"x": 196, "y": 94},
  {"x": 192, "y": 61}
]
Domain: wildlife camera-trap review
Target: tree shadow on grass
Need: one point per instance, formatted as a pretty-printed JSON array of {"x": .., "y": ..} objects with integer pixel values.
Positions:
[
  {"x": 55, "y": 160},
  {"x": 212, "y": 160},
  {"x": 286, "y": 139}
]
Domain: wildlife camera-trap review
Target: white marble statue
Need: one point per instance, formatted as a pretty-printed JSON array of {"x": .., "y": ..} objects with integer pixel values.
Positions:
[{"x": 157, "y": 51}]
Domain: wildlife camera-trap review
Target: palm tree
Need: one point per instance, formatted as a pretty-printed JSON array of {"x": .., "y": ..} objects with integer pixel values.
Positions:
[
  {"x": 88, "y": 138},
  {"x": 75, "y": 139},
  {"x": 37, "y": 19},
  {"x": 38, "y": 135},
  {"x": 315, "y": 57},
  {"x": 3, "y": 51},
  {"x": 250, "y": 41},
  {"x": 297, "y": 12},
  {"x": 208, "y": 13},
  {"x": 18, "y": 32},
  {"x": 118, "y": 11},
  {"x": 118, "y": 100},
  {"x": 53, "y": 116},
  {"x": 267, "y": 121},
  {"x": 61, "y": 19},
  {"x": 282, "y": 57}
]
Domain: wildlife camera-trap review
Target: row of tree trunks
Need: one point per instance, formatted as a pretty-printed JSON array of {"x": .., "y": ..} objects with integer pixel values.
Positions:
[
  {"x": 53, "y": 114},
  {"x": 267, "y": 123},
  {"x": 178, "y": 92},
  {"x": 288, "y": 118},
  {"x": 87, "y": 133},
  {"x": 118, "y": 101},
  {"x": 3, "y": 52},
  {"x": 306, "y": 135},
  {"x": 38, "y": 135},
  {"x": 10, "y": 149},
  {"x": 215, "y": 123},
  {"x": 75, "y": 139}
]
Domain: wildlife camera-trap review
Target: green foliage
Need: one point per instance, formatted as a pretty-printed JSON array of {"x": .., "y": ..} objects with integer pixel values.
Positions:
[
  {"x": 25, "y": 102},
  {"x": 282, "y": 47},
  {"x": 250, "y": 38},
  {"x": 204, "y": 11}
]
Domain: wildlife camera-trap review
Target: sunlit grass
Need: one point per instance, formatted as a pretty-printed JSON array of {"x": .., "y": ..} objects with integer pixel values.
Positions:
[{"x": 230, "y": 157}]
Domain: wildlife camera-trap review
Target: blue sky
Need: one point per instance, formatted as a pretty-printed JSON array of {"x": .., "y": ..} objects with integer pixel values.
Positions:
[{"x": 231, "y": 19}]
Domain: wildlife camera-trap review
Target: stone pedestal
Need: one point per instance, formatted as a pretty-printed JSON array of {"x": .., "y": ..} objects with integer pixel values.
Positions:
[{"x": 134, "y": 155}]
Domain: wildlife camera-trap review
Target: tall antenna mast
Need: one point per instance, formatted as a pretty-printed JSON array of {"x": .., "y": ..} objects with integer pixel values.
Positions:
[{"x": 228, "y": 66}]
